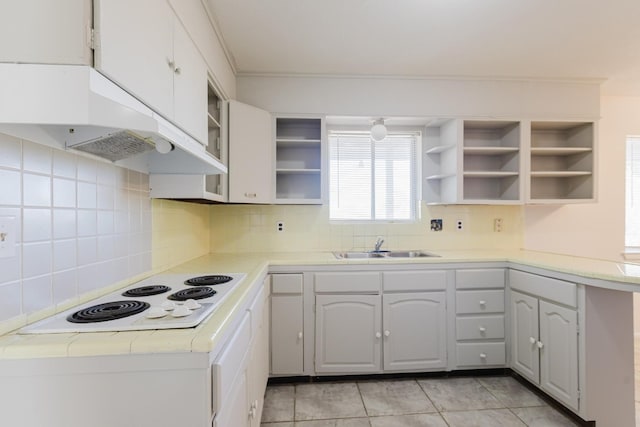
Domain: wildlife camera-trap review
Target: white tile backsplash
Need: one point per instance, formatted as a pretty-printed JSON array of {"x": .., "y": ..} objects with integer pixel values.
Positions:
[
  {"x": 10, "y": 187},
  {"x": 87, "y": 222},
  {"x": 10, "y": 300},
  {"x": 37, "y": 158},
  {"x": 36, "y": 259},
  {"x": 37, "y": 293},
  {"x": 37, "y": 224},
  {"x": 64, "y": 164},
  {"x": 87, "y": 195},
  {"x": 75, "y": 217},
  {"x": 10, "y": 152},
  {"x": 64, "y": 254},
  {"x": 64, "y": 193},
  {"x": 36, "y": 190},
  {"x": 64, "y": 223}
]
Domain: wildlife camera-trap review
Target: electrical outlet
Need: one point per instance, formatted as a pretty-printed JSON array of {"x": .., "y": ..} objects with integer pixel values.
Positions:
[
  {"x": 280, "y": 226},
  {"x": 459, "y": 225},
  {"x": 497, "y": 225},
  {"x": 7, "y": 236}
]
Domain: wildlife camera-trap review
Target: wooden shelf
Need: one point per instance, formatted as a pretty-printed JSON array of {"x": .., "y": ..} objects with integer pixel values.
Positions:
[
  {"x": 559, "y": 151},
  {"x": 490, "y": 151},
  {"x": 489, "y": 174},
  {"x": 439, "y": 149},
  {"x": 298, "y": 171},
  {"x": 558, "y": 174},
  {"x": 212, "y": 121}
]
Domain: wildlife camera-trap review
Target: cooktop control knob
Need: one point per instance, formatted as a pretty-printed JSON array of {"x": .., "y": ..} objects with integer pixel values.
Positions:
[{"x": 192, "y": 304}]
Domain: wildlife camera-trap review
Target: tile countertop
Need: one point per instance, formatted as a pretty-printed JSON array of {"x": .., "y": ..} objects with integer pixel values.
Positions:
[{"x": 205, "y": 337}]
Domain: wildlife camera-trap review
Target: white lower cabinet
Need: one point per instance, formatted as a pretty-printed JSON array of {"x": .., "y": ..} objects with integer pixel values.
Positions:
[
  {"x": 287, "y": 324},
  {"x": 241, "y": 370},
  {"x": 348, "y": 333},
  {"x": 415, "y": 331},
  {"x": 544, "y": 337}
]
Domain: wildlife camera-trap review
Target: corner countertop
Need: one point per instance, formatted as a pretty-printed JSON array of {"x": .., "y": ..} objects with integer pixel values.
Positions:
[{"x": 207, "y": 336}]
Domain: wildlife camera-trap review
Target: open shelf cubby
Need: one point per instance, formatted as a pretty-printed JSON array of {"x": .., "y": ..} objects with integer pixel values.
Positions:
[
  {"x": 298, "y": 160},
  {"x": 562, "y": 161},
  {"x": 440, "y": 161},
  {"x": 491, "y": 161}
]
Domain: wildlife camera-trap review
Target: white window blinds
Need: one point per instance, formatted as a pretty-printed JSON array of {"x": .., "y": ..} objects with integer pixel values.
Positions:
[
  {"x": 632, "y": 193},
  {"x": 371, "y": 180}
]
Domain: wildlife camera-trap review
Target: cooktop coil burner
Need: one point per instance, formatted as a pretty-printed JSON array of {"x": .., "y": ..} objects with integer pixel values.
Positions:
[
  {"x": 208, "y": 280},
  {"x": 192, "y": 293},
  {"x": 145, "y": 291},
  {"x": 108, "y": 311}
]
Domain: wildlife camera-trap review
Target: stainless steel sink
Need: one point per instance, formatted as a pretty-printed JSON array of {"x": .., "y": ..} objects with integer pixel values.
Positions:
[{"x": 383, "y": 254}]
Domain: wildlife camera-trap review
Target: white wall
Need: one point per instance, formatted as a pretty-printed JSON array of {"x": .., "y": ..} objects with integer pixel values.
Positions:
[
  {"x": 592, "y": 230},
  {"x": 420, "y": 97}
]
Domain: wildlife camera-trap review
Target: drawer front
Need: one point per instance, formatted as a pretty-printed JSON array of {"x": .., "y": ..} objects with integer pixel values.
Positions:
[
  {"x": 411, "y": 281},
  {"x": 544, "y": 287},
  {"x": 480, "y": 278},
  {"x": 286, "y": 283},
  {"x": 480, "y": 354},
  {"x": 471, "y": 302},
  {"x": 347, "y": 282},
  {"x": 230, "y": 362},
  {"x": 480, "y": 327}
]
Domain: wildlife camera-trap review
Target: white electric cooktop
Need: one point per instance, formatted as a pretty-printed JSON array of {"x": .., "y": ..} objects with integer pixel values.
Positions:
[{"x": 167, "y": 301}]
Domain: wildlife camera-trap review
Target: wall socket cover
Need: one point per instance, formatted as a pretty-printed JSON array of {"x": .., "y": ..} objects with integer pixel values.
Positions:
[
  {"x": 459, "y": 225},
  {"x": 7, "y": 236},
  {"x": 280, "y": 226}
]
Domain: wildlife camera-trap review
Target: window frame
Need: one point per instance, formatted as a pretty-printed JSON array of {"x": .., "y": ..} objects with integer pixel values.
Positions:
[{"x": 416, "y": 198}]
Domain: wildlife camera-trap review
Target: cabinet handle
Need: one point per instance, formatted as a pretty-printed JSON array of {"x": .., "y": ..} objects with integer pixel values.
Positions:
[
  {"x": 176, "y": 70},
  {"x": 170, "y": 63},
  {"x": 532, "y": 340},
  {"x": 378, "y": 335},
  {"x": 299, "y": 335},
  {"x": 482, "y": 302},
  {"x": 482, "y": 329},
  {"x": 483, "y": 356},
  {"x": 539, "y": 344},
  {"x": 250, "y": 195},
  {"x": 387, "y": 333}
]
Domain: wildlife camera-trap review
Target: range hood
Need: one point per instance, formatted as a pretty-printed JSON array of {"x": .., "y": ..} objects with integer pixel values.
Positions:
[{"x": 75, "y": 107}]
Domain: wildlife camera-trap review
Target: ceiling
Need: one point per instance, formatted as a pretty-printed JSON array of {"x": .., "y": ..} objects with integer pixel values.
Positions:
[{"x": 542, "y": 39}]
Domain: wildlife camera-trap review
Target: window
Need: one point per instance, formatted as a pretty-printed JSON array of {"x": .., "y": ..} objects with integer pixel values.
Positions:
[
  {"x": 371, "y": 180},
  {"x": 632, "y": 194}
]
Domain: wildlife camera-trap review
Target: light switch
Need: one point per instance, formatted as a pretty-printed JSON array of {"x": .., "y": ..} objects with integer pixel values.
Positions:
[{"x": 7, "y": 236}]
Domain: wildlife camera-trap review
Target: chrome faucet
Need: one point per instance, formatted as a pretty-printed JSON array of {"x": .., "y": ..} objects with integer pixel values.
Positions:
[{"x": 378, "y": 244}]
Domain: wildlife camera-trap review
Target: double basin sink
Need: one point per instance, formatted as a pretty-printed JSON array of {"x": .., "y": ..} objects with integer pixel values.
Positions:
[{"x": 383, "y": 254}]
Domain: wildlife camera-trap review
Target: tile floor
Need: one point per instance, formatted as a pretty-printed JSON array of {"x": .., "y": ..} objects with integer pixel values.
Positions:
[{"x": 453, "y": 402}]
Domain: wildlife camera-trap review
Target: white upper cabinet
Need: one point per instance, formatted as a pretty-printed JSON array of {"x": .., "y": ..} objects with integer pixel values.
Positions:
[
  {"x": 46, "y": 32},
  {"x": 250, "y": 154},
  {"x": 143, "y": 47}
]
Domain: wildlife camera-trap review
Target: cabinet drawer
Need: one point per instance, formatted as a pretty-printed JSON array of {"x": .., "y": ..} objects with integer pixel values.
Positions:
[
  {"x": 480, "y": 327},
  {"x": 469, "y": 302},
  {"x": 286, "y": 283},
  {"x": 544, "y": 287},
  {"x": 414, "y": 280},
  {"x": 480, "y": 278},
  {"x": 480, "y": 354},
  {"x": 347, "y": 282},
  {"x": 230, "y": 362}
]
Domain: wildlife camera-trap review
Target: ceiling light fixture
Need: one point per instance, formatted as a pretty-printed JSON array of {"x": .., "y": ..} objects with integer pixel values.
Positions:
[
  {"x": 164, "y": 146},
  {"x": 378, "y": 130}
]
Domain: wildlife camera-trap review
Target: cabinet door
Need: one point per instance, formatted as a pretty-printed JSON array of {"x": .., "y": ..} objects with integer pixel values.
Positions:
[
  {"x": 348, "y": 335},
  {"x": 415, "y": 331},
  {"x": 524, "y": 336},
  {"x": 287, "y": 350},
  {"x": 236, "y": 411},
  {"x": 189, "y": 86},
  {"x": 135, "y": 49},
  {"x": 257, "y": 370},
  {"x": 250, "y": 154},
  {"x": 559, "y": 352}
]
